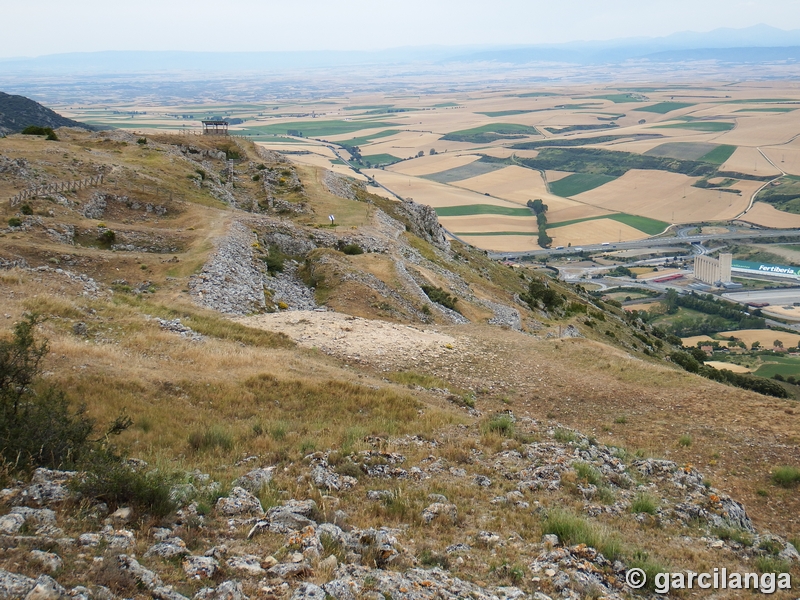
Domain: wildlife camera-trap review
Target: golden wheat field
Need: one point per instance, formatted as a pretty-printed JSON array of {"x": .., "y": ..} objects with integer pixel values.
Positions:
[{"x": 669, "y": 197}]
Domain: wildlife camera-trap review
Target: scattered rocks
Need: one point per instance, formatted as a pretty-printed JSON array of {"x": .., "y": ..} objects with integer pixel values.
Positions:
[{"x": 176, "y": 326}]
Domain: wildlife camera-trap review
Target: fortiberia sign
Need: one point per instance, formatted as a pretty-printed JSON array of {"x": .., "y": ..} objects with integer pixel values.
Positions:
[{"x": 765, "y": 268}]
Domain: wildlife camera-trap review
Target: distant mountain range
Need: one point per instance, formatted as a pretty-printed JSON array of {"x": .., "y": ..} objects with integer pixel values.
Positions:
[
  {"x": 760, "y": 43},
  {"x": 18, "y": 112}
]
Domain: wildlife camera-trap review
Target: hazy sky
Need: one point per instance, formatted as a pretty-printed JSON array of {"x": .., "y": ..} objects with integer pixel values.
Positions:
[{"x": 37, "y": 27}]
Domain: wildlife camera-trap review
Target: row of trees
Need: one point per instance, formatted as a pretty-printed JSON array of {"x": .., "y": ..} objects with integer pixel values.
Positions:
[{"x": 539, "y": 209}]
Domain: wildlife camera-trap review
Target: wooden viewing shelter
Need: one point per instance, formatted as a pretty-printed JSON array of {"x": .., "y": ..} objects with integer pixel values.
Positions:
[{"x": 215, "y": 128}]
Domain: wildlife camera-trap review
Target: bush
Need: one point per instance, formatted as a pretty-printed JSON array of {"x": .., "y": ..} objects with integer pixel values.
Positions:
[
  {"x": 36, "y": 130},
  {"x": 107, "y": 237},
  {"x": 438, "y": 295},
  {"x": 572, "y": 529},
  {"x": 644, "y": 503},
  {"x": 641, "y": 560},
  {"x": 108, "y": 479},
  {"x": 587, "y": 472},
  {"x": 141, "y": 141},
  {"x": 502, "y": 424},
  {"x": 14, "y": 222},
  {"x": 26, "y": 209},
  {"x": 786, "y": 476},
  {"x": 352, "y": 249},
  {"x": 37, "y": 426}
]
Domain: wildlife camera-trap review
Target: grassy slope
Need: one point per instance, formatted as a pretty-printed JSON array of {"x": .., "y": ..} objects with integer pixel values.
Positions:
[{"x": 277, "y": 401}]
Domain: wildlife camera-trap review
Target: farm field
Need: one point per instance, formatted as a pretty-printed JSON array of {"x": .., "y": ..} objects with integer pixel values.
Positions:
[
  {"x": 768, "y": 216},
  {"x": 764, "y": 336},
  {"x": 468, "y": 149},
  {"x": 668, "y": 197}
]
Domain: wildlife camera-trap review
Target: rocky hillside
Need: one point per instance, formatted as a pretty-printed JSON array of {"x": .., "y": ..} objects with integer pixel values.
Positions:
[
  {"x": 18, "y": 112},
  {"x": 278, "y": 408}
]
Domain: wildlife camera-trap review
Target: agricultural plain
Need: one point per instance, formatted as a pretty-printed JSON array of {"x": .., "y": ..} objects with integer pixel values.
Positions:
[{"x": 643, "y": 160}]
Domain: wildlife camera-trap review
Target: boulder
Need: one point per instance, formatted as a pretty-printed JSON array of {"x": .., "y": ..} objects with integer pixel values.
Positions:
[
  {"x": 255, "y": 480},
  {"x": 239, "y": 502}
]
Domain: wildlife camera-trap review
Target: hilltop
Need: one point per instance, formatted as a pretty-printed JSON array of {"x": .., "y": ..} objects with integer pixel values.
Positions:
[
  {"x": 362, "y": 410},
  {"x": 18, "y": 112}
]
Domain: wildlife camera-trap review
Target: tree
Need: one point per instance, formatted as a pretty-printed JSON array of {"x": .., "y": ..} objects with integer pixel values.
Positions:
[
  {"x": 755, "y": 345},
  {"x": 777, "y": 344},
  {"x": 433, "y": 151},
  {"x": 37, "y": 427}
]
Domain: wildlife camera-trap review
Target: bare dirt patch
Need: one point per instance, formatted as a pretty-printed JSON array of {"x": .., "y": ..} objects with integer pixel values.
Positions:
[{"x": 356, "y": 338}]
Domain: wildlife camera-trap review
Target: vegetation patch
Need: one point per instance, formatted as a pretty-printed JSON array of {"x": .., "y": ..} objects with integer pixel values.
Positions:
[
  {"x": 783, "y": 194},
  {"x": 440, "y": 296},
  {"x": 663, "y": 108},
  {"x": 578, "y": 183},
  {"x": 504, "y": 113},
  {"x": 597, "y": 161},
  {"x": 571, "y": 128},
  {"x": 481, "y": 209},
  {"x": 473, "y": 169},
  {"x": 711, "y": 126},
  {"x": 316, "y": 128},
  {"x": 490, "y": 133}
]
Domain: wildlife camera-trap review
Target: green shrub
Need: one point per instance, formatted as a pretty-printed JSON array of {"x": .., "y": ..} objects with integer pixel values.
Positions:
[
  {"x": 202, "y": 174},
  {"x": 14, "y": 222},
  {"x": 572, "y": 529},
  {"x": 36, "y": 130},
  {"x": 429, "y": 558},
  {"x": 685, "y": 441},
  {"x": 644, "y": 503},
  {"x": 786, "y": 476},
  {"x": 502, "y": 424},
  {"x": 109, "y": 479},
  {"x": 734, "y": 534},
  {"x": 565, "y": 436},
  {"x": 37, "y": 426},
  {"x": 769, "y": 564},
  {"x": 26, "y": 209},
  {"x": 438, "y": 295},
  {"x": 587, "y": 473},
  {"x": 352, "y": 249},
  {"x": 107, "y": 237},
  {"x": 141, "y": 141}
]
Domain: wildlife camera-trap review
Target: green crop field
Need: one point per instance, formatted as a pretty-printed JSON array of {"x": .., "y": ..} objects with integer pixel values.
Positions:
[
  {"x": 776, "y": 109},
  {"x": 643, "y": 224},
  {"x": 714, "y": 126},
  {"x": 719, "y": 154},
  {"x": 578, "y": 182},
  {"x": 490, "y": 133},
  {"x": 445, "y": 105},
  {"x": 615, "y": 98},
  {"x": 682, "y": 150},
  {"x": 663, "y": 108},
  {"x": 482, "y": 209},
  {"x": 366, "y": 139},
  {"x": 785, "y": 365},
  {"x": 473, "y": 169},
  {"x": 505, "y": 113},
  {"x": 316, "y": 128},
  {"x": 380, "y": 159}
]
